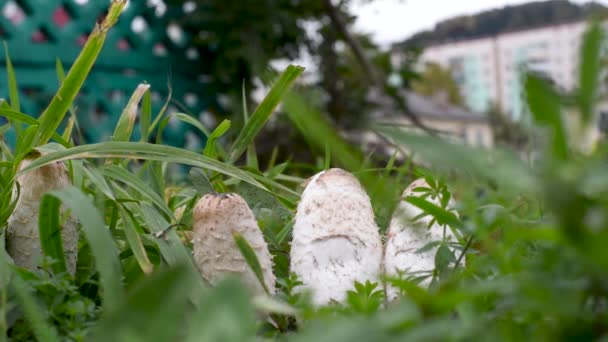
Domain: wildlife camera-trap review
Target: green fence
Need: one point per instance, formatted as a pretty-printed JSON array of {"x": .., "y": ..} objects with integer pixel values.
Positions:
[{"x": 144, "y": 47}]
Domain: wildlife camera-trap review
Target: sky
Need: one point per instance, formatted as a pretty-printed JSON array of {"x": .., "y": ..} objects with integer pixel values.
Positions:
[{"x": 391, "y": 21}]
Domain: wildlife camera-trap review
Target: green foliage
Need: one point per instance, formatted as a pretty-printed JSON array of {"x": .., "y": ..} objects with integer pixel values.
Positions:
[
  {"x": 436, "y": 81},
  {"x": 530, "y": 262}
]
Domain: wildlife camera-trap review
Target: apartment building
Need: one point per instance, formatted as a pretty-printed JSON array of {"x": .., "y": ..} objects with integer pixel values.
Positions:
[{"x": 489, "y": 70}]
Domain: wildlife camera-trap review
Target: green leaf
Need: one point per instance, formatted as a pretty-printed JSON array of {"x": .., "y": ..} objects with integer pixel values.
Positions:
[
  {"x": 497, "y": 165},
  {"x": 252, "y": 158},
  {"x": 138, "y": 185},
  {"x": 126, "y": 122},
  {"x": 225, "y": 314},
  {"x": 171, "y": 247},
  {"x": 251, "y": 258},
  {"x": 263, "y": 112},
  {"x": 138, "y": 150},
  {"x": 42, "y": 329},
  {"x": 59, "y": 70},
  {"x": 155, "y": 310},
  {"x": 590, "y": 69},
  {"x": 50, "y": 231},
  {"x": 192, "y": 121},
  {"x": 20, "y": 117},
  {"x": 200, "y": 181},
  {"x": 444, "y": 257},
  {"x": 442, "y": 216},
  {"x": 545, "y": 109},
  {"x": 13, "y": 88},
  {"x": 52, "y": 116},
  {"x": 134, "y": 240},
  {"x": 319, "y": 132},
  {"x": 210, "y": 147},
  {"x": 146, "y": 116},
  {"x": 101, "y": 242}
]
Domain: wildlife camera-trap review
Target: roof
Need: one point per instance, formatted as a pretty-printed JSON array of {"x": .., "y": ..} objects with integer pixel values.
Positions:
[{"x": 426, "y": 107}]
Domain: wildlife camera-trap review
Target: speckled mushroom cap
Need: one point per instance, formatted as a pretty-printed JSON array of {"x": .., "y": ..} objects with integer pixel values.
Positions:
[
  {"x": 23, "y": 237},
  {"x": 405, "y": 237},
  {"x": 335, "y": 238},
  {"x": 216, "y": 218}
]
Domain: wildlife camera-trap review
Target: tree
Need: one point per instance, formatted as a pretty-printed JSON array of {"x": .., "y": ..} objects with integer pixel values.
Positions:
[{"x": 436, "y": 81}]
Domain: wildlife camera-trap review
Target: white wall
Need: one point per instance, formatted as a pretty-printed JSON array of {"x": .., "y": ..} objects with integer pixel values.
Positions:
[{"x": 488, "y": 70}]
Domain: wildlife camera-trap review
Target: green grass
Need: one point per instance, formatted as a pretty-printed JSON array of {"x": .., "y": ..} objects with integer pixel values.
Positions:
[{"x": 533, "y": 262}]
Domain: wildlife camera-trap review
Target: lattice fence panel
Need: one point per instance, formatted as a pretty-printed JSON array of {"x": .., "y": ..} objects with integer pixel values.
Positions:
[{"x": 143, "y": 47}]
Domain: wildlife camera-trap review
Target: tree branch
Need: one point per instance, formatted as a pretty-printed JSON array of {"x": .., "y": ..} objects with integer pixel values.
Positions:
[{"x": 340, "y": 26}]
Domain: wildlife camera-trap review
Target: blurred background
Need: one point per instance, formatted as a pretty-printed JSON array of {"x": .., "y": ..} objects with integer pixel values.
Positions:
[{"x": 451, "y": 69}]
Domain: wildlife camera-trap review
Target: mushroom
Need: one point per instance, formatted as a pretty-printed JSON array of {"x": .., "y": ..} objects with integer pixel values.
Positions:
[
  {"x": 217, "y": 217},
  {"x": 406, "y": 236},
  {"x": 23, "y": 236},
  {"x": 335, "y": 238}
]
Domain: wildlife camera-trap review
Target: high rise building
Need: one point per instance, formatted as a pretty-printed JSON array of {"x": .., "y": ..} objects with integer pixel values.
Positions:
[{"x": 488, "y": 70}]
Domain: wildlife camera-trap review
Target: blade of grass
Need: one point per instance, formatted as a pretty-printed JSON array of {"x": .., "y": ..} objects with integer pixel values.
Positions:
[
  {"x": 590, "y": 67},
  {"x": 102, "y": 245},
  {"x": 502, "y": 167},
  {"x": 138, "y": 185},
  {"x": 252, "y": 158},
  {"x": 442, "y": 216},
  {"x": 50, "y": 231},
  {"x": 13, "y": 88},
  {"x": 544, "y": 106},
  {"x": 264, "y": 111},
  {"x": 251, "y": 258},
  {"x": 146, "y": 116},
  {"x": 192, "y": 121},
  {"x": 161, "y": 113},
  {"x": 61, "y": 102},
  {"x": 126, "y": 122},
  {"x": 210, "y": 147},
  {"x": 138, "y": 150},
  {"x": 20, "y": 117},
  {"x": 134, "y": 241}
]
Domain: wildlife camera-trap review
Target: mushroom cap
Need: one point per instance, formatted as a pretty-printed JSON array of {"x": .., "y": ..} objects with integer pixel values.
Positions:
[
  {"x": 405, "y": 237},
  {"x": 23, "y": 236},
  {"x": 335, "y": 238},
  {"x": 217, "y": 217}
]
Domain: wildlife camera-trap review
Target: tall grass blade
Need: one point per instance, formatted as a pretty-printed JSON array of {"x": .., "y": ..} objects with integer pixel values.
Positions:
[
  {"x": 590, "y": 67},
  {"x": 126, "y": 122},
  {"x": 138, "y": 150},
  {"x": 263, "y": 112},
  {"x": 101, "y": 243},
  {"x": 251, "y": 258},
  {"x": 138, "y": 185},
  {"x": 252, "y": 156},
  {"x": 211, "y": 148},
  {"x": 145, "y": 119},
  {"x": 134, "y": 240},
  {"x": 13, "y": 88},
  {"x": 53, "y": 115},
  {"x": 50, "y": 231},
  {"x": 192, "y": 121},
  {"x": 544, "y": 106}
]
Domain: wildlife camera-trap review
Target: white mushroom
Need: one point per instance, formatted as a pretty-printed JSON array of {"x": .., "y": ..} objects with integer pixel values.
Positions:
[
  {"x": 406, "y": 236},
  {"x": 217, "y": 217},
  {"x": 335, "y": 238},
  {"x": 23, "y": 236}
]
